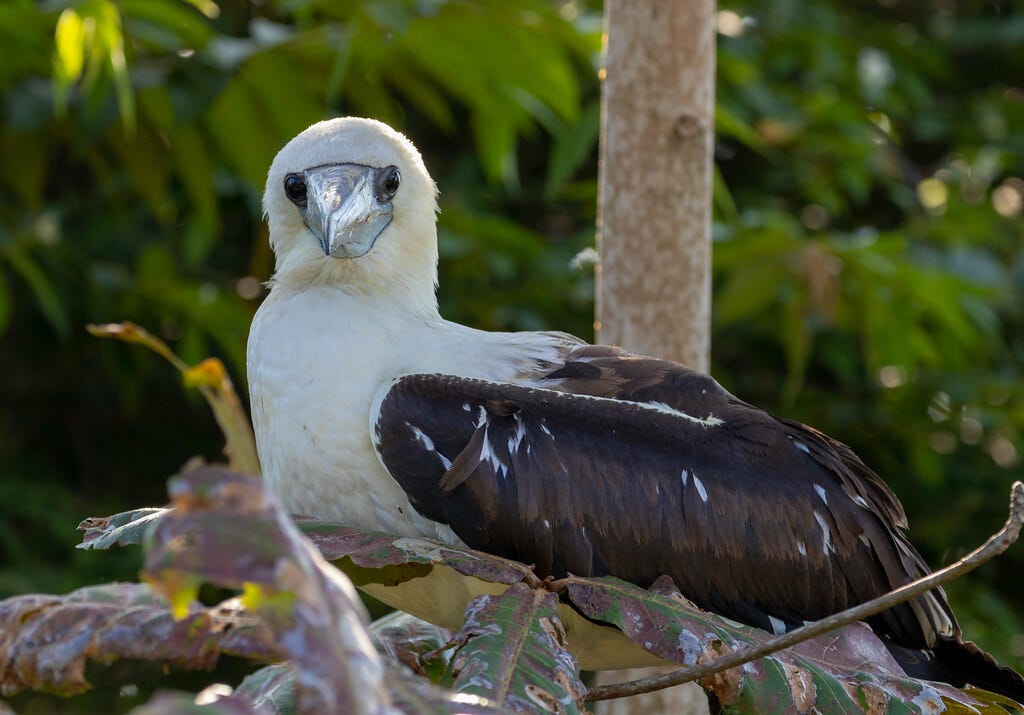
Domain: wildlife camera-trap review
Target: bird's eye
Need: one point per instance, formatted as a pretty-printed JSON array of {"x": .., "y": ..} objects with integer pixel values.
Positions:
[
  {"x": 387, "y": 183},
  {"x": 295, "y": 189}
]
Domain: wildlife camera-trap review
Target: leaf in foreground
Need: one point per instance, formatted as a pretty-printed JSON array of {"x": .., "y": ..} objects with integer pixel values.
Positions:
[
  {"x": 841, "y": 671},
  {"x": 226, "y": 529},
  {"x": 849, "y": 668},
  {"x": 416, "y": 644},
  {"x": 45, "y": 641},
  {"x": 122, "y": 529},
  {"x": 512, "y": 651}
]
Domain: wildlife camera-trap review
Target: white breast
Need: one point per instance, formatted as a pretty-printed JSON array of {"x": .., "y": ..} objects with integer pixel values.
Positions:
[{"x": 316, "y": 359}]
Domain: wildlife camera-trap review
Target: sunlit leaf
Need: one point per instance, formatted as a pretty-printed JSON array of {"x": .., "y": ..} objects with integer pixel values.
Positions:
[
  {"x": 69, "y": 38},
  {"x": 207, "y": 7}
]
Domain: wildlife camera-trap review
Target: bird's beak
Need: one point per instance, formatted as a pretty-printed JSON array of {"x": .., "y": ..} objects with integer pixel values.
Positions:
[{"x": 343, "y": 210}]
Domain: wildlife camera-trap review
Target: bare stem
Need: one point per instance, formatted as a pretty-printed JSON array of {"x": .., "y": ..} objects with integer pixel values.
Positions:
[{"x": 996, "y": 544}]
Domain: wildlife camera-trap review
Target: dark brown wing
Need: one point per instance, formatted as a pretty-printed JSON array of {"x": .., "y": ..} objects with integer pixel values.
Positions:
[{"x": 764, "y": 521}]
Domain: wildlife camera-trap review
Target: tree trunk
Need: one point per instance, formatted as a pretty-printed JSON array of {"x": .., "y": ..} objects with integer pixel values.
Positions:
[{"x": 654, "y": 213}]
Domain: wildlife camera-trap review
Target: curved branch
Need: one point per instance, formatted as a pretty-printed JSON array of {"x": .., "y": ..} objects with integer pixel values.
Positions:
[{"x": 996, "y": 544}]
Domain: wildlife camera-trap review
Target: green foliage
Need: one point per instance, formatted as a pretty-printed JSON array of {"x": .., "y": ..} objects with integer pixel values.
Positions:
[{"x": 869, "y": 256}]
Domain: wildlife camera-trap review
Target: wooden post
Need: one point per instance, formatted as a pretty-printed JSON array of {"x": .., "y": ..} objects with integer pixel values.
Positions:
[
  {"x": 654, "y": 208},
  {"x": 654, "y": 213}
]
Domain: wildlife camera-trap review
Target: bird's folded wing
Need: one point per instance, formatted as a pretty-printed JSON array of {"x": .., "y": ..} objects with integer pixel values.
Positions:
[{"x": 764, "y": 521}]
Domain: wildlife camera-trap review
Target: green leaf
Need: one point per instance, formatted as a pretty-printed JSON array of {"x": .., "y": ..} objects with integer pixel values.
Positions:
[
  {"x": 5, "y": 303},
  {"x": 513, "y": 651},
  {"x": 820, "y": 672},
  {"x": 194, "y": 165},
  {"x": 69, "y": 41},
  {"x": 42, "y": 288},
  {"x": 750, "y": 290},
  {"x": 413, "y": 642},
  {"x": 729, "y": 124},
  {"x": 170, "y": 18},
  {"x": 109, "y": 36},
  {"x": 573, "y": 145},
  {"x": 724, "y": 205}
]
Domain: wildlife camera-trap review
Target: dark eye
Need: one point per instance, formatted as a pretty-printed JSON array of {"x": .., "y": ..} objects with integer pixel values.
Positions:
[
  {"x": 295, "y": 189},
  {"x": 387, "y": 183}
]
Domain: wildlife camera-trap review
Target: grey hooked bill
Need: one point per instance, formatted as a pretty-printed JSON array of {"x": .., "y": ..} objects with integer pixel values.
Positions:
[{"x": 342, "y": 209}]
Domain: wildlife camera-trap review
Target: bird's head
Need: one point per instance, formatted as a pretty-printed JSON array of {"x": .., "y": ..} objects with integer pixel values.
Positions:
[{"x": 350, "y": 203}]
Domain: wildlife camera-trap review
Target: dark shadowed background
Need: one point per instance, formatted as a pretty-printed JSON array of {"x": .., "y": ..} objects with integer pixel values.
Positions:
[{"x": 869, "y": 239}]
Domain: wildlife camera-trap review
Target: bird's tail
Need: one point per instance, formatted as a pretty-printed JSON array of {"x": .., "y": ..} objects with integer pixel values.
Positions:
[{"x": 959, "y": 663}]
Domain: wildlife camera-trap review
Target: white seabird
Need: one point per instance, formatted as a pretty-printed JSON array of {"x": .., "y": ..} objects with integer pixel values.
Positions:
[{"x": 372, "y": 410}]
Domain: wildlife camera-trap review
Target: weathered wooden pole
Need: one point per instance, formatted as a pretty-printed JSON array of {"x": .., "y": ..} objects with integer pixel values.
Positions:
[
  {"x": 654, "y": 212},
  {"x": 655, "y": 176}
]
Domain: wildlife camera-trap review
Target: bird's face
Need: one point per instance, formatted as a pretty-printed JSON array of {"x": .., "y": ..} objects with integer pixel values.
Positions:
[
  {"x": 346, "y": 206},
  {"x": 349, "y": 201}
]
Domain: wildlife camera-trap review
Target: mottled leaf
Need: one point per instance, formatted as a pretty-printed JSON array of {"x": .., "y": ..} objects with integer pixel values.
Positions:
[
  {"x": 46, "y": 640},
  {"x": 270, "y": 689},
  {"x": 126, "y": 528},
  {"x": 832, "y": 673},
  {"x": 413, "y": 642},
  {"x": 828, "y": 671},
  {"x": 513, "y": 651},
  {"x": 226, "y": 529},
  {"x": 377, "y": 550}
]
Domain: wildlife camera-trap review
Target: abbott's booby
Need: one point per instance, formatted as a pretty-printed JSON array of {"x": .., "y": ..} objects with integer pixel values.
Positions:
[{"x": 372, "y": 410}]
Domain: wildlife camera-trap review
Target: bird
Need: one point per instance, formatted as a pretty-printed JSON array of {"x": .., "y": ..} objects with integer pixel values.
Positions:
[{"x": 372, "y": 410}]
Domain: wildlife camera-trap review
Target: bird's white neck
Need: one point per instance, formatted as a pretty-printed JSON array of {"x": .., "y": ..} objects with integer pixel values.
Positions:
[{"x": 405, "y": 279}]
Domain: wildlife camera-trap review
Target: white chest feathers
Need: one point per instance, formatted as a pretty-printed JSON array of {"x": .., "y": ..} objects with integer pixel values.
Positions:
[{"x": 316, "y": 360}]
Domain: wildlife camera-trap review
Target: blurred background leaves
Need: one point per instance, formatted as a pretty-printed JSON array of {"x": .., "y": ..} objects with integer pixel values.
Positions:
[{"x": 869, "y": 240}]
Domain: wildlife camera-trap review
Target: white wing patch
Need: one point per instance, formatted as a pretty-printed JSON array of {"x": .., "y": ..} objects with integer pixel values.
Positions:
[
  {"x": 826, "y": 533},
  {"x": 709, "y": 421},
  {"x": 487, "y": 454},
  {"x": 424, "y": 439},
  {"x": 700, "y": 489},
  {"x": 821, "y": 493},
  {"x": 515, "y": 440}
]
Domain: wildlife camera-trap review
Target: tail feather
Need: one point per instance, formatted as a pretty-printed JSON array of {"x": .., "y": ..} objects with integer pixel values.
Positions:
[{"x": 960, "y": 663}]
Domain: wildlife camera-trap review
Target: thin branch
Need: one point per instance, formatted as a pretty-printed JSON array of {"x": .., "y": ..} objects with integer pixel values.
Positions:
[{"x": 997, "y": 544}]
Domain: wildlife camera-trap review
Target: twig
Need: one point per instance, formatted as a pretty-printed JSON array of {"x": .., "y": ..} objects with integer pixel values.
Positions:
[{"x": 996, "y": 544}]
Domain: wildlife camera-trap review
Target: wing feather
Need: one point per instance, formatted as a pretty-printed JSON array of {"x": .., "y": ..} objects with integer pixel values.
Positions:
[{"x": 637, "y": 471}]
